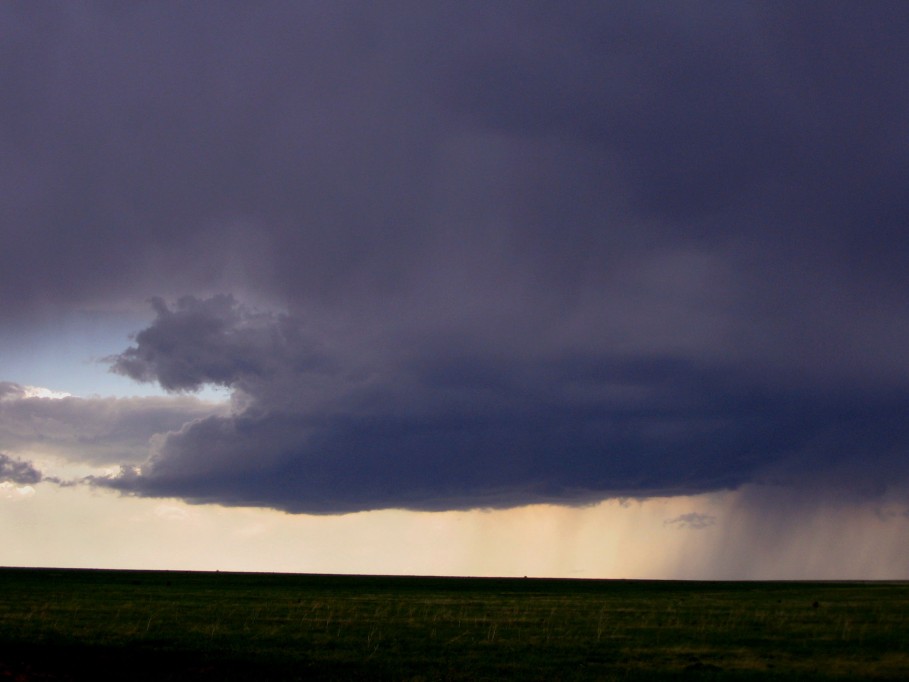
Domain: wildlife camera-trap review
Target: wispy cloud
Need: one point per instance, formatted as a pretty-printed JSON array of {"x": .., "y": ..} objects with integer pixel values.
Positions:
[{"x": 693, "y": 520}]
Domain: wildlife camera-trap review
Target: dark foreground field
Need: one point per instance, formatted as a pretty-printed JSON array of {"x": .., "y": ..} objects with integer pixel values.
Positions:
[{"x": 74, "y": 625}]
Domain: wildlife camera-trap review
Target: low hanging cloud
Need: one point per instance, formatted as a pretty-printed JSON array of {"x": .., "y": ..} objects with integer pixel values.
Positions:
[
  {"x": 449, "y": 431},
  {"x": 693, "y": 520},
  {"x": 17, "y": 471},
  {"x": 100, "y": 431}
]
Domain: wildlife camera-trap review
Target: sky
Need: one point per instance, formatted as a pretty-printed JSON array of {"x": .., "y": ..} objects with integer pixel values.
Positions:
[{"x": 600, "y": 290}]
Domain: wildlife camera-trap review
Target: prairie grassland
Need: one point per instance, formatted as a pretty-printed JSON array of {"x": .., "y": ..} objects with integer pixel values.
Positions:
[{"x": 67, "y": 624}]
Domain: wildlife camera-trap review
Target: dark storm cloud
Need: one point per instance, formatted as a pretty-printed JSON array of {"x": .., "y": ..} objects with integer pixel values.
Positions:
[
  {"x": 215, "y": 341},
  {"x": 325, "y": 152},
  {"x": 520, "y": 251},
  {"x": 17, "y": 471},
  {"x": 453, "y": 432},
  {"x": 205, "y": 142}
]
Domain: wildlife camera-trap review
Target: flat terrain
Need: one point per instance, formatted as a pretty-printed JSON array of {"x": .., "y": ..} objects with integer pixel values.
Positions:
[{"x": 74, "y": 625}]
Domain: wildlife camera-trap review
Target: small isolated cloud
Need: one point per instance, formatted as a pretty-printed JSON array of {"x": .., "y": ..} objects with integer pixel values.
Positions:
[
  {"x": 692, "y": 520},
  {"x": 41, "y": 392},
  {"x": 18, "y": 472}
]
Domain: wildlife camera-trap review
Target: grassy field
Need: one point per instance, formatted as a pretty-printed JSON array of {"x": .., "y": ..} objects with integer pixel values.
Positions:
[{"x": 67, "y": 624}]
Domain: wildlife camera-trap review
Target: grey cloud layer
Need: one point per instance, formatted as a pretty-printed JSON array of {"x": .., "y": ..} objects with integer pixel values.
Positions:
[
  {"x": 343, "y": 154},
  {"x": 92, "y": 430},
  {"x": 521, "y": 251}
]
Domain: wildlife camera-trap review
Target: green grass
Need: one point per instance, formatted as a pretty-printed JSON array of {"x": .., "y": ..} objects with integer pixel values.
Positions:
[{"x": 62, "y": 624}]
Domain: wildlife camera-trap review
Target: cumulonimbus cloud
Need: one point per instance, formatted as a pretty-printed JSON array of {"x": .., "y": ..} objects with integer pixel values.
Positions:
[
  {"x": 459, "y": 432},
  {"x": 521, "y": 252}
]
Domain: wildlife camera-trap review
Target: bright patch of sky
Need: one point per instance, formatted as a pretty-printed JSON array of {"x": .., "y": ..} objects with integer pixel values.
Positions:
[
  {"x": 66, "y": 356},
  {"x": 612, "y": 539}
]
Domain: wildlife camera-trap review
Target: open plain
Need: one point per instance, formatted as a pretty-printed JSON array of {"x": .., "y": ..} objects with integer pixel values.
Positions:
[{"x": 86, "y": 624}]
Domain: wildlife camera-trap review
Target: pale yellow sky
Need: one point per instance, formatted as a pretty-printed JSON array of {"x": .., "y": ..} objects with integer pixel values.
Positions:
[{"x": 46, "y": 525}]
